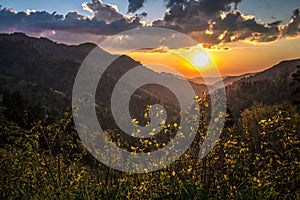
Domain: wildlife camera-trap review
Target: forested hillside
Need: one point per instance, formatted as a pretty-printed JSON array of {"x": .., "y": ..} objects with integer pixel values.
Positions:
[{"x": 272, "y": 86}]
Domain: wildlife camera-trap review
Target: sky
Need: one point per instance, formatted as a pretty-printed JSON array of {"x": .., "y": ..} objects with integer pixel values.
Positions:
[{"x": 241, "y": 36}]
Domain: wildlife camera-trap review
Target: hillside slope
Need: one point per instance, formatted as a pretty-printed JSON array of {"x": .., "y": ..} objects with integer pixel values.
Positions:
[
  {"x": 272, "y": 86},
  {"x": 54, "y": 66}
]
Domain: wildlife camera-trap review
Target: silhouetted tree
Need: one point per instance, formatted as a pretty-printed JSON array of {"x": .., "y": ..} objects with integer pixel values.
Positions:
[
  {"x": 296, "y": 92},
  {"x": 17, "y": 110}
]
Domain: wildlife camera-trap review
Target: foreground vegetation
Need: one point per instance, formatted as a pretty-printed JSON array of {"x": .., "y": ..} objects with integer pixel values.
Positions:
[{"x": 257, "y": 158}]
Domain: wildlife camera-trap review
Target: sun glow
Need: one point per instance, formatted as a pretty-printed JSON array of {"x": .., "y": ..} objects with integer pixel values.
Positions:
[
  {"x": 196, "y": 56},
  {"x": 189, "y": 61},
  {"x": 200, "y": 59}
]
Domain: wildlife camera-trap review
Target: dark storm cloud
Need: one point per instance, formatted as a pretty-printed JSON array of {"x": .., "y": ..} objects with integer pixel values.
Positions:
[
  {"x": 191, "y": 15},
  {"x": 214, "y": 22},
  {"x": 235, "y": 26},
  {"x": 134, "y": 5},
  {"x": 106, "y": 20},
  {"x": 209, "y": 7},
  {"x": 293, "y": 27},
  {"x": 189, "y": 8},
  {"x": 235, "y": 21}
]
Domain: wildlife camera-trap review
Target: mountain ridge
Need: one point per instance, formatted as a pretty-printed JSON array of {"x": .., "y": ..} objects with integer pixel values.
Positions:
[{"x": 54, "y": 66}]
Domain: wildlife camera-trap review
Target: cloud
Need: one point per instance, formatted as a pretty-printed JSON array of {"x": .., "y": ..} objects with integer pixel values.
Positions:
[
  {"x": 292, "y": 29},
  {"x": 11, "y": 19},
  {"x": 209, "y": 7},
  {"x": 184, "y": 16},
  {"x": 192, "y": 15},
  {"x": 276, "y": 23},
  {"x": 235, "y": 26},
  {"x": 106, "y": 20},
  {"x": 134, "y": 5},
  {"x": 103, "y": 12},
  {"x": 215, "y": 22},
  {"x": 196, "y": 18}
]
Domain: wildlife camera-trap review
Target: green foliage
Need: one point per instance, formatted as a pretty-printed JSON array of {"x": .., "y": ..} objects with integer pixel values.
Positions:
[
  {"x": 244, "y": 93},
  {"x": 256, "y": 159}
]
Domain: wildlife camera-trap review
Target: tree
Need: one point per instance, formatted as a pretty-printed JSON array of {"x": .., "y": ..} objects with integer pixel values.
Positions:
[
  {"x": 2, "y": 110},
  {"x": 296, "y": 92}
]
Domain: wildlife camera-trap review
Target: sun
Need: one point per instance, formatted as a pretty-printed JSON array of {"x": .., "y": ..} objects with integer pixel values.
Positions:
[{"x": 200, "y": 59}]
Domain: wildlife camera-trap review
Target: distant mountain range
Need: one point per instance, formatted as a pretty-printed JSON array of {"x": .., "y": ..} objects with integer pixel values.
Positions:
[
  {"x": 214, "y": 81},
  {"x": 271, "y": 86},
  {"x": 229, "y": 80},
  {"x": 284, "y": 67}
]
